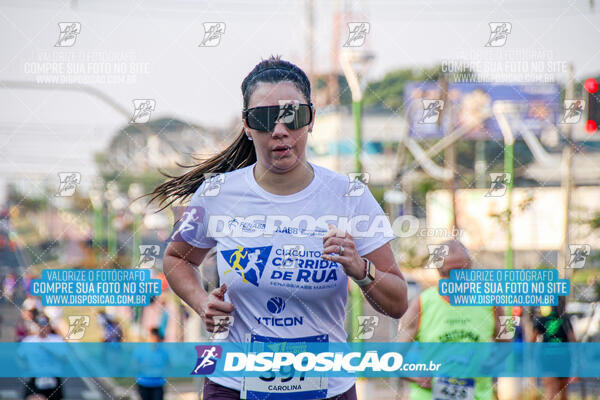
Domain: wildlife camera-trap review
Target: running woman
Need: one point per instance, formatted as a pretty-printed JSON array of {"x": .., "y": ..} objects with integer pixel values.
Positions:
[{"x": 286, "y": 280}]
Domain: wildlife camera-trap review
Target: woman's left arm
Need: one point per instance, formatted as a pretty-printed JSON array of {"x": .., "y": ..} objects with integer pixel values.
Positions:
[{"x": 388, "y": 292}]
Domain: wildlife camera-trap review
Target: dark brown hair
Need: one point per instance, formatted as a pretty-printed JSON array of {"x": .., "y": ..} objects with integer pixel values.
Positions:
[{"x": 241, "y": 152}]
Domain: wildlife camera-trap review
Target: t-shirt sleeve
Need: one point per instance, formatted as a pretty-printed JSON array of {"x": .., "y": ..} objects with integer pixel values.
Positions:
[
  {"x": 193, "y": 225},
  {"x": 373, "y": 228}
]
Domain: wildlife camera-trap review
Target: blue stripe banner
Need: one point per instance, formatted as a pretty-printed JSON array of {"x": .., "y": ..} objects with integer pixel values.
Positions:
[{"x": 460, "y": 360}]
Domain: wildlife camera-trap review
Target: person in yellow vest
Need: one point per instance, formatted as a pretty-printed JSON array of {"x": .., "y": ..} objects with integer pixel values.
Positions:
[{"x": 431, "y": 318}]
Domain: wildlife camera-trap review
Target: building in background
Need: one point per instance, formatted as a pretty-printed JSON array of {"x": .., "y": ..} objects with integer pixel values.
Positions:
[{"x": 332, "y": 143}]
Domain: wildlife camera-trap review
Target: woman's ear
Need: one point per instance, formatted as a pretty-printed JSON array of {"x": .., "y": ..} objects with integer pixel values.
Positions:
[{"x": 246, "y": 129}]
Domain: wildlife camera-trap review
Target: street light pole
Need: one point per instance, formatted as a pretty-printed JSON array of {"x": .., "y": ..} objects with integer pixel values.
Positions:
[
  {"x": 111, "y": 194},
  {"x": 135, "y": 191},
  {"x": 96, "y": 195},
  {"x": 357, "y": 113},
  {"x": 355, "y": 65},
  {"x": 501, "y": 110}
]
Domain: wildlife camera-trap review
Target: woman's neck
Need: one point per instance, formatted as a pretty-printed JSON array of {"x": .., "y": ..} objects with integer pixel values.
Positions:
[{"x": 287, "y": 183}]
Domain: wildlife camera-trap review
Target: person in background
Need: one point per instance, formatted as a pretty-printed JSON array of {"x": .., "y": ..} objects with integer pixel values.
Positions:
[
  {"x": 32, "y": 302},
  {"x": 158, "y": 314},
  {"x": 41, "y": 388},
  {"x": 552, "y": 325},
  {"x": 152, "y": 360},
  {"x": 164, "y": 317},
  {"x": 431, "y": 318},
  {"x": 26, "y": 324},
  {"x": 8, "y": 287},
  {"x": 111, "y": 329}
]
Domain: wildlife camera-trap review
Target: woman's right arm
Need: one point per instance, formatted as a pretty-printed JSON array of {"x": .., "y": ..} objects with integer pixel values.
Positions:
[{"x": 179, "y": 267}]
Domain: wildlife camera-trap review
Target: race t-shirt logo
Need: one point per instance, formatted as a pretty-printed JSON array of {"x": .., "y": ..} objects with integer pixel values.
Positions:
[
  {"x": 247, "y": 262},
  {"x": 275, "y": 305}
]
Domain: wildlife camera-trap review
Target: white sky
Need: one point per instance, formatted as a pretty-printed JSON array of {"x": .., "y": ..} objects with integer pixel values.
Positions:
[{"x": 202, "y": 84}]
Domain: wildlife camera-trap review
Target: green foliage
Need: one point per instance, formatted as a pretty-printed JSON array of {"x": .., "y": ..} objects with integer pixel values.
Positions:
[
  {"x": 377, "y": 192},
  {"x": 388, "y": 92},
  {"x": 148, "y": 179},
  {"x": 424, "y": 185},
  {"x": 344, "y": 91},
  {"x": 594, "y": 221},
  {"x": 27, "y": 203}
]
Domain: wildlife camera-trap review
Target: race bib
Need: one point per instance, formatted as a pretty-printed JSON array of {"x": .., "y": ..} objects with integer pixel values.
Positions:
[
  {"x": 287, "y": 383},
  {"x": 453, "y": 389},
  {"x": 45, "y": 383}
]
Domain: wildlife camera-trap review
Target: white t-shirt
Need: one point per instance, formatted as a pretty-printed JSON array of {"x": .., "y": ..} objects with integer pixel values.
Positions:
[{"x": 269, "y": 253}]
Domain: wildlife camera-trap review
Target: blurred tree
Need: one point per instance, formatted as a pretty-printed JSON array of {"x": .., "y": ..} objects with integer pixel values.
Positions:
[
  {"x": 26, "y": 202},
  {"x": 136, "y": 155},
  {"x": 389, "y": 91}
]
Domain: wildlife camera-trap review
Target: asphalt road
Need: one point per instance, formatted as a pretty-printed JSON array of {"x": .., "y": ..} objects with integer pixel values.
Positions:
[{"x": 73, "y": 388}]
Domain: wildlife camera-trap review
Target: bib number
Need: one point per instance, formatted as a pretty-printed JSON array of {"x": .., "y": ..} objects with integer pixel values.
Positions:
[
  {"x": 46, "y": 383},
  {"x": 453, "y": 389},
  {"x": 287, "y": 383}
]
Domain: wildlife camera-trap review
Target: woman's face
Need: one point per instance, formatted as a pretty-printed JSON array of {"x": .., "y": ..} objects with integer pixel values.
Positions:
[{"x": 282, "y": 149}]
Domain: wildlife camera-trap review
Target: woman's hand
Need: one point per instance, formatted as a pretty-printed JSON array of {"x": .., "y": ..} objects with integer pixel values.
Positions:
[
  {"x": 353, "y": 264},
  {"x": 215, "y": 305}
]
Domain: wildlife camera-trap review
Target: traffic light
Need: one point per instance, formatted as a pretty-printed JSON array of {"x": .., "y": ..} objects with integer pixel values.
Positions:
[{"x": 593, "y": 101}]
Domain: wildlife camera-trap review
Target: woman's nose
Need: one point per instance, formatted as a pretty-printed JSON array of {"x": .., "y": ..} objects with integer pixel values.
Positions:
[{"x": 280, "y": 130}]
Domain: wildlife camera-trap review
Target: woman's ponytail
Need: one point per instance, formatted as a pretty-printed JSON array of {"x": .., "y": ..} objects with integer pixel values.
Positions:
[{"x": 239, "y": 154}]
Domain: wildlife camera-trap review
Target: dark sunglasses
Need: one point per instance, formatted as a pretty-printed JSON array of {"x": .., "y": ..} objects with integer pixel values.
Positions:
[{"x": 294, "y": 116}]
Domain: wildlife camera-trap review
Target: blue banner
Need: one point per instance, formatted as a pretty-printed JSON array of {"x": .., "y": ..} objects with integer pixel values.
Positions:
[
  {"x": 496, "y": 287},
  {"x": 460, "y": 360},
  {"x": 538, "y": 107},
  {"x": 96, "y": 287}
]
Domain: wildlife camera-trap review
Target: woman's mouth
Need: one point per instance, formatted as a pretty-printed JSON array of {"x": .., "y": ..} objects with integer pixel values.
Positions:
[{"x": 282, "y": 150}]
